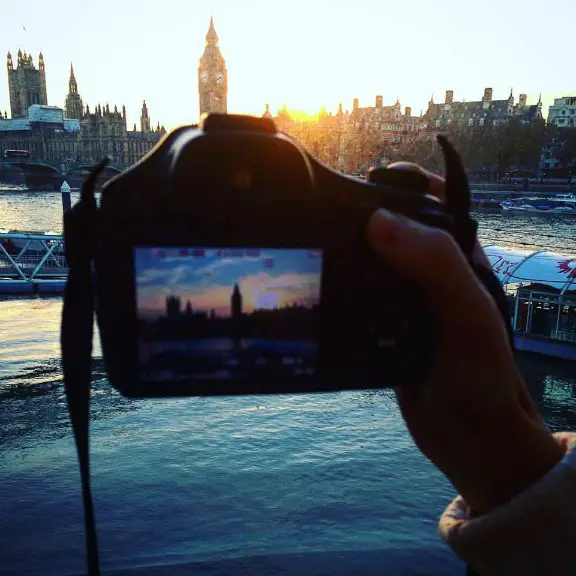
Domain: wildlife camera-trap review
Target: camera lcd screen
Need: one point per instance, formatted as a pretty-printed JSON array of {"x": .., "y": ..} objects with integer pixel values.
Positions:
[{"x": 227, "y": 313}]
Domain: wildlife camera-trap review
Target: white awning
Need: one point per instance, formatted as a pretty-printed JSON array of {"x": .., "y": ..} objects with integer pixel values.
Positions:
[{"x": 513, "y": 267}]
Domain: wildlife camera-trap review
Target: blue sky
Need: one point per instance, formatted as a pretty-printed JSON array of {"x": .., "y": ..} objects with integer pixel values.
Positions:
[
  {"x": 302, "y": 53},
  {"x": 268, "y": 279}
]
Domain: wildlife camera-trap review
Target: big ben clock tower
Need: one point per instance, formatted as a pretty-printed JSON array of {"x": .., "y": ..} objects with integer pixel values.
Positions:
[{"x": 212, "y": 76}]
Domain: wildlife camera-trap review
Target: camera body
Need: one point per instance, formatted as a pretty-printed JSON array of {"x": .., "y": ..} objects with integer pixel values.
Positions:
[{"x": 229, "y": 261}]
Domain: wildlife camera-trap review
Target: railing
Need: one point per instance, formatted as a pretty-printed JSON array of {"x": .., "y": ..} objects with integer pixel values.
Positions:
[{"x": 30, "y": 256}]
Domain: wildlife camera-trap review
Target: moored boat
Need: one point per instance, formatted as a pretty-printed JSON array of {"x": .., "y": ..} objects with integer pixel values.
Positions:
[{"x": 561, "y": 204}]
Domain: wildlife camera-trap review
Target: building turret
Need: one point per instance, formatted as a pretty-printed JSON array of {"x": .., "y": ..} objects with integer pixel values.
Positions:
[
  {"x": 27, "y": 86},
  {"x": 124, "y": 113},
  {"x": 73, "y": 105},
  {"x": 144, "y": 118},
  {"x": 267, "y": 113}
]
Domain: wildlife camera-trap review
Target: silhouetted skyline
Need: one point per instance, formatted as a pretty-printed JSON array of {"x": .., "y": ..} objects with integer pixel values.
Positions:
[{"x": 267, "y": 279}]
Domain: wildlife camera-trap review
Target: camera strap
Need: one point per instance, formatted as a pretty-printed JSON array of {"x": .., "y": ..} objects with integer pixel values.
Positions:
[{"x": 76, "y": 342}]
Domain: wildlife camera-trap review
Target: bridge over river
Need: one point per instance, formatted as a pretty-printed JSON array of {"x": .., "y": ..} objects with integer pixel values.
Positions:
[{"x": 51, "y": 173}]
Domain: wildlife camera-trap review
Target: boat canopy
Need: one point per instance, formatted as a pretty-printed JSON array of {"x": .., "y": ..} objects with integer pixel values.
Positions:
[{"x": 521, "y": 268}]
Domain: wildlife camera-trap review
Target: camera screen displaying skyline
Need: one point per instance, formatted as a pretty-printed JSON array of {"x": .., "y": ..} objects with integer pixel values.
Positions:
[{"x": 225, "y": 313}]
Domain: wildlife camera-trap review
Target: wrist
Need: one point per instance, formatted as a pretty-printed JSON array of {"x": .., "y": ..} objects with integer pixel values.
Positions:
[{"x": 505, "y": 463}]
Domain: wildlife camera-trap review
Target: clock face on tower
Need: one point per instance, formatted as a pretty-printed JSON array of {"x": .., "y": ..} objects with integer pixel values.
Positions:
[
  {"x": 219, "y": 78},
  {"x": 204, "y": 77}
]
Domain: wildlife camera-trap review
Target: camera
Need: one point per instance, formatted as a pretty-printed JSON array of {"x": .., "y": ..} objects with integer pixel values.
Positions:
[{"x": 230, "y": 261}]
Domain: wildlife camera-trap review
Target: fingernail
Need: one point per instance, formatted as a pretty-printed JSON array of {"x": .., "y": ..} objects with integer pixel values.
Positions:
[{"x": 383, "y": 229}]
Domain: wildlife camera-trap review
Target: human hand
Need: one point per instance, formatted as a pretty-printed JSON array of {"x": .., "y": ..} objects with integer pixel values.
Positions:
[{"x": 472, "y": 416}]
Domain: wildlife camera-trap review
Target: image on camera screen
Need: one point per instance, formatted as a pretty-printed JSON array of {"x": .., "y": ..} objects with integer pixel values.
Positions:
[{"x": 227, "y": 313}]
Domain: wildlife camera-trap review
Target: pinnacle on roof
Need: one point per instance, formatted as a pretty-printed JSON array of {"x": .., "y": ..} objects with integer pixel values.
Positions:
[
  {"x": 72, "y": 72},
  {"x": 211, "y": 31}
]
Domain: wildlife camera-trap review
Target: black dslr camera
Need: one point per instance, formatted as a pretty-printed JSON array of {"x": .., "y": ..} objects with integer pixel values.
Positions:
[{"x": 229, "y": 261}]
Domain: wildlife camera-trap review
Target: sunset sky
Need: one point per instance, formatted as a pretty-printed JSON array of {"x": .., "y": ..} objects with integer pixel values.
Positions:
[
  {"x": 305, "y": 54},
  {"x": 274, "y": 278}
]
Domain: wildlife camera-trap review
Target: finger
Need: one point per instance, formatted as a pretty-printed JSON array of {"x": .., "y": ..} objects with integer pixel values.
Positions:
[
  {"x": 431, "y": 258},
  {"x": 436, "y": 183},
  {"x": 437, "y": 188}
]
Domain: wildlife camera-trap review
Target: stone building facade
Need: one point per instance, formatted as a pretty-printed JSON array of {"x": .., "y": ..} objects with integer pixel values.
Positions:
[
  {"x": 73, "y": 134},
  {"x": 484, "y": 112},
  {"x": 563, "y": 112},
  {"x": 353, "y": 140}
]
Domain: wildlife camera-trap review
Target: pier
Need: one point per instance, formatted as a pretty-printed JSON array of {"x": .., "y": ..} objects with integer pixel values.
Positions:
[{"x": 32, "y": 263}]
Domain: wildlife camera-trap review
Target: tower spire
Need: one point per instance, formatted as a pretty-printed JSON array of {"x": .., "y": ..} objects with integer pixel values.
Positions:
[
  {"x": 211, "y": 36},
  {"x": 72, "y": 84}
]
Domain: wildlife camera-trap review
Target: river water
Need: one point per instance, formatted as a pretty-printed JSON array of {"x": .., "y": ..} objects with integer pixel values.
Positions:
[{"x": 317, "y": 484}]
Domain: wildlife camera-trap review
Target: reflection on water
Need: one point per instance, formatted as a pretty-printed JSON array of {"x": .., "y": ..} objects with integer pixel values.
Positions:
[
  {"x": 527, "y": 231},
  {"x": 317, "y": 484}
]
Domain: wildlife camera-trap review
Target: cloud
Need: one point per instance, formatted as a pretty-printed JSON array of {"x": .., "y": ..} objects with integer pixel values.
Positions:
[{"x": 159, "y": 276}]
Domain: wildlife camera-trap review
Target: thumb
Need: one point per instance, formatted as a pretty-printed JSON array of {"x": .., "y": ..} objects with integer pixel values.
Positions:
[{"x": 431, "y": 259}]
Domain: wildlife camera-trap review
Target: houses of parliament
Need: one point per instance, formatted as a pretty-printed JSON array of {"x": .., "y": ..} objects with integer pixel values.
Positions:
[{"x": 78, "y": 133}]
